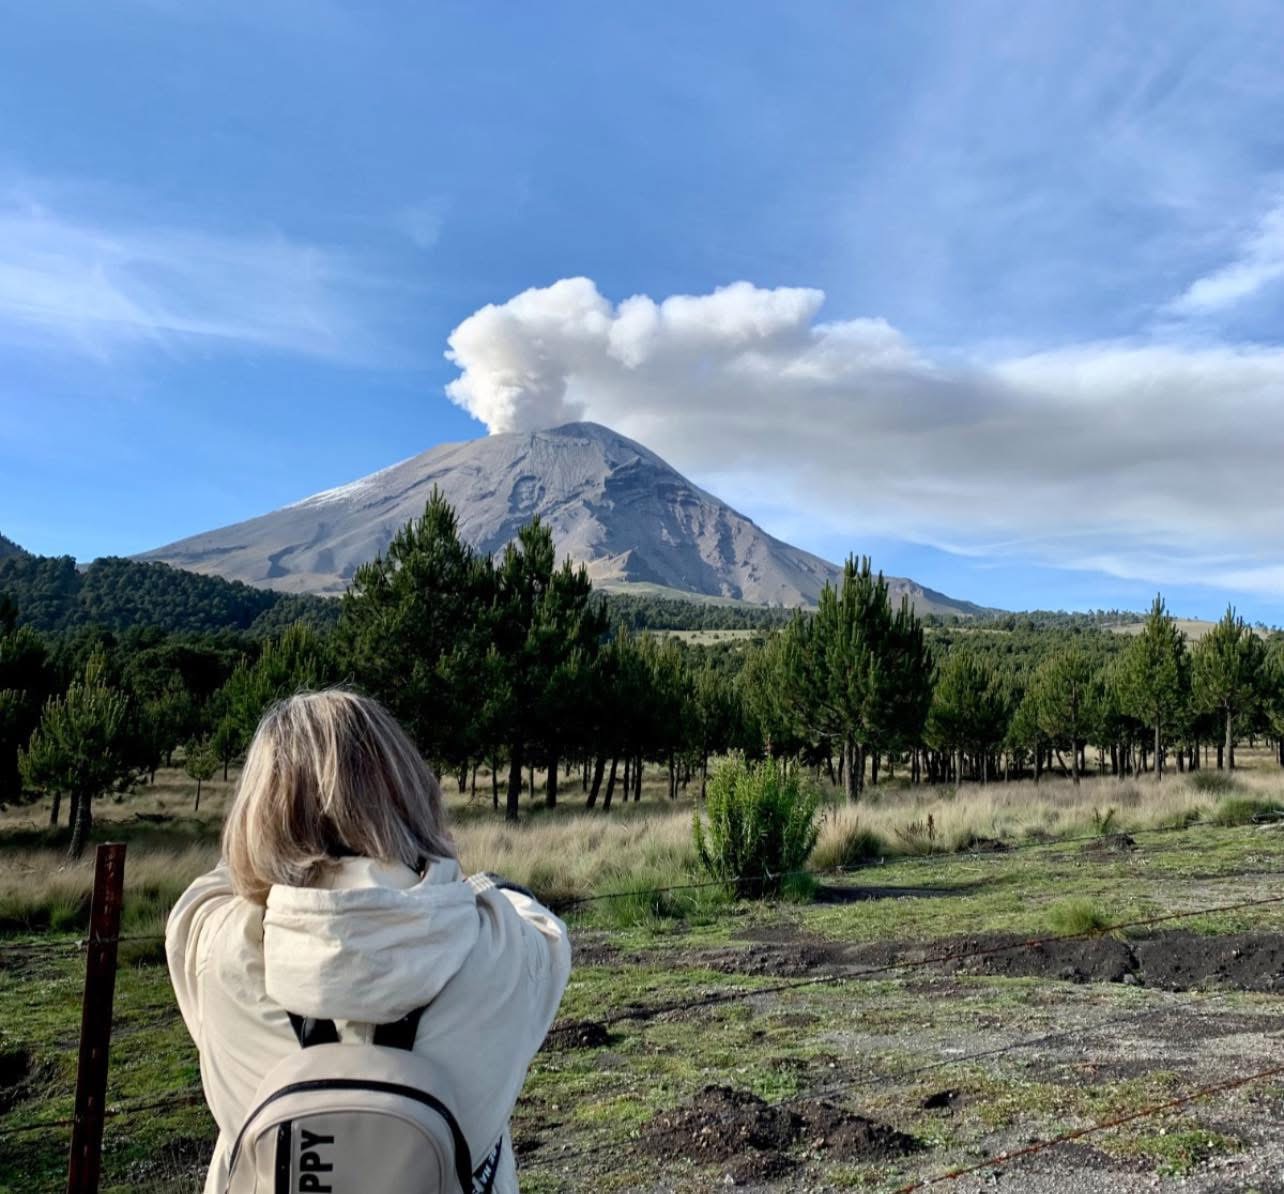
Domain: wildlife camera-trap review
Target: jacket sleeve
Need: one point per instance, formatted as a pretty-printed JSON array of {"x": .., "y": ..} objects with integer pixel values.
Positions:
[
  {"x": 191, "y": 922},
  {"x": 543, "y": 941}
]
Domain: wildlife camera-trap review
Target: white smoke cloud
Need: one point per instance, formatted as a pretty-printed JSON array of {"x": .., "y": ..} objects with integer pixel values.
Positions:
[{"x": 1144, "y": 461}]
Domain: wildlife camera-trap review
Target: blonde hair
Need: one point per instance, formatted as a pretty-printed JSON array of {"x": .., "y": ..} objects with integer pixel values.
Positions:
[{"x": 330, "y": 774}]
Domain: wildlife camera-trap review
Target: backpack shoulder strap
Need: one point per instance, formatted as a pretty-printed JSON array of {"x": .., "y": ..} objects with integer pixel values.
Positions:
[
  {"x": 400, "y": 1034},
  {"x": 309, "y": 1031}
]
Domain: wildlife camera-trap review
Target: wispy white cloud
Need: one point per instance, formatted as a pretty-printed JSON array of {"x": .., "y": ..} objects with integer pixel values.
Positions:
[
  {"x": 101, "y": 288},
  {"x": 422, "y": 222},
  {"x": 1258, "y": 263},
  {"x": 1161, "y": 460}
]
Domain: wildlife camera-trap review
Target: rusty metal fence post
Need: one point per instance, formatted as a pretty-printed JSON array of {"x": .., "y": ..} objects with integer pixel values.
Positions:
[{"x": 85, "y": 1163}]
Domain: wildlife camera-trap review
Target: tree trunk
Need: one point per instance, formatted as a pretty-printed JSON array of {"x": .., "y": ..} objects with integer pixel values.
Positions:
[
  {"x": 57, "y": 799},
  {"x": 848, "y": 768},
  {"x": 610, "y": 784},
  {"x": 673, "y": 777},
  {"x": 530, "y": 771},
  {"x": 196, "y": 808},
  {"x": 704, "y": 773},
  {"x": 81, "y": 824},
  {"x": 599, "y": 766},
  {"x": 637, "y": 779},
  {"x": 472, "y": 784},
  {"x": 628, "y": 775},
  {"x": 1074, "y": 762},
  {"x": 1221, "y": 755},
  {"x": 225, "y": 770},
  {"x": 550, "y": 787},
  {"x": 873, "y": 769},
  {"x": 514, "y": 782},
  {"x": 494, "y": 783},
  {"x": 584, "y": 775},
  {"x": 1159, "y": 764},
  {"x": 1230, "y": 740}
]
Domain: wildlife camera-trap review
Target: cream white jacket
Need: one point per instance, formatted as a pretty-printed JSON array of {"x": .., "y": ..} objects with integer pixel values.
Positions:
[{"x": 374, "y": 943}]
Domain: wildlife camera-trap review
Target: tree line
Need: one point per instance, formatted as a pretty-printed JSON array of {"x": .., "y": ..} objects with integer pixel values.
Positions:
[{"x": 509, "y": 664}]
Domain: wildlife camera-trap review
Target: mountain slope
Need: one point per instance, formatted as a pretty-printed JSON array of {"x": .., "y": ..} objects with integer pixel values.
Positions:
[
  {"x": 9, "y": 548},
  {"x": 612, "y": 504}
]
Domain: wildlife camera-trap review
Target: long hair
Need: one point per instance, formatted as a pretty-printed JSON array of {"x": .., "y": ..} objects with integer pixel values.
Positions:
[{"x": 330, "y": 774}]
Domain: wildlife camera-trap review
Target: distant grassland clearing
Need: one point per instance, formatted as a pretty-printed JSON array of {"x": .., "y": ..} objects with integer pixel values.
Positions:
[
  {"x": 705, "y": 638},
  {"x": 1193, "y": 628}
]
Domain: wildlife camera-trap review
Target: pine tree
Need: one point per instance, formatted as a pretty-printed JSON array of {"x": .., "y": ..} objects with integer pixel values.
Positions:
[
  {"x": 226, "y": 743},
  {"x": 1065, "y": 698},
  {"x": 969, "y": 713},
  {"x": 413, "y": 632},
  {"x": 200, "y": 762},
  {"x": 296, "y": 661},
  {"x": 1153, "y": 677},
  {"x": 81, "y": 747},
  {"x": 545, "y": 629},
  {"x": 25, "y": 680},
  {"x": 1228, "y": 672},
  {"x": 854, "y": 674}
]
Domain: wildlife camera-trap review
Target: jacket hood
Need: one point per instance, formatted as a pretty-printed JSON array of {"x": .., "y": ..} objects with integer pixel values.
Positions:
[{"x": 375, "y": 942}]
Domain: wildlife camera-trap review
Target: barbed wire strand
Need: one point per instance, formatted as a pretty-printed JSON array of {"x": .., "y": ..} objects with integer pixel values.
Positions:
[
  {"x": 944, "y": 856},
  {"x": 71, "y": 949},
  {"x": 1007, "y": 1157},
  {"x": 184, "y": 1097},
  {"x": 874, "y": 1077}
]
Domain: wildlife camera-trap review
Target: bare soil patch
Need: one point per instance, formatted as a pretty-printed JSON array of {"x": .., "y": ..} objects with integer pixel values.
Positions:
[
  {"x": 1181, "y": 960},
  {"x": 1174, "y": 961},
  {"x": 737, "y": 1127},
  {"x": 576, "y": 1034}
]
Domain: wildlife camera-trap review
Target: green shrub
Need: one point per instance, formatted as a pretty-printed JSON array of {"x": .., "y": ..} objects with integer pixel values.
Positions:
[
  {"x": 761, "y": 825},
  {"x": 1213, "y": 783},
  {"x": 1073, "y": 917},
  {"x": 1244, "y": 810}
]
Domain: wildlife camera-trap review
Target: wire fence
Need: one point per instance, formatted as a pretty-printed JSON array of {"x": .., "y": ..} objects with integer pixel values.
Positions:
[
  {"x": 992, "y": 849},
  {"x": 1105, "y": 1125},
  {"x": 655, "y": 1012}
]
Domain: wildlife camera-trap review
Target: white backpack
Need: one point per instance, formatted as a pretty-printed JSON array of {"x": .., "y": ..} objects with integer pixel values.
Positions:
[{"x": 355, "y": 1119}]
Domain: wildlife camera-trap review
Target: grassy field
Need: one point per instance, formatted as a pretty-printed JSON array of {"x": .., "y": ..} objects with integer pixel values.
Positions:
[{"x": 819, "y": 1042}]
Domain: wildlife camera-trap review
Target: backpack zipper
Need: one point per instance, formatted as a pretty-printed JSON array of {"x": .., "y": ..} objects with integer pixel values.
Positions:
[{"x": 463, "y": 1159}]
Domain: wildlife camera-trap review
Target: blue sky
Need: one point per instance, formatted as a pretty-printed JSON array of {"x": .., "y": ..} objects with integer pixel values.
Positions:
[{"x": 1010, "y": 275}]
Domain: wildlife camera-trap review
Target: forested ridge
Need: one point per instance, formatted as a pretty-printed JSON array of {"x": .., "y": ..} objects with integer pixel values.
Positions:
[
  {"x": 512, "y": 664},
  {"x": 53, "y": 595}
]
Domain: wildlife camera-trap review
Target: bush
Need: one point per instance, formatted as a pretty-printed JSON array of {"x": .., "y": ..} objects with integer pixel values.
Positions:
[
  {"x": 1243, "y": 810},
  {"x": 761, "y": 825},
  {"x": 1212, "y": 783},
  {"x": 1072, "y": 918}
]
